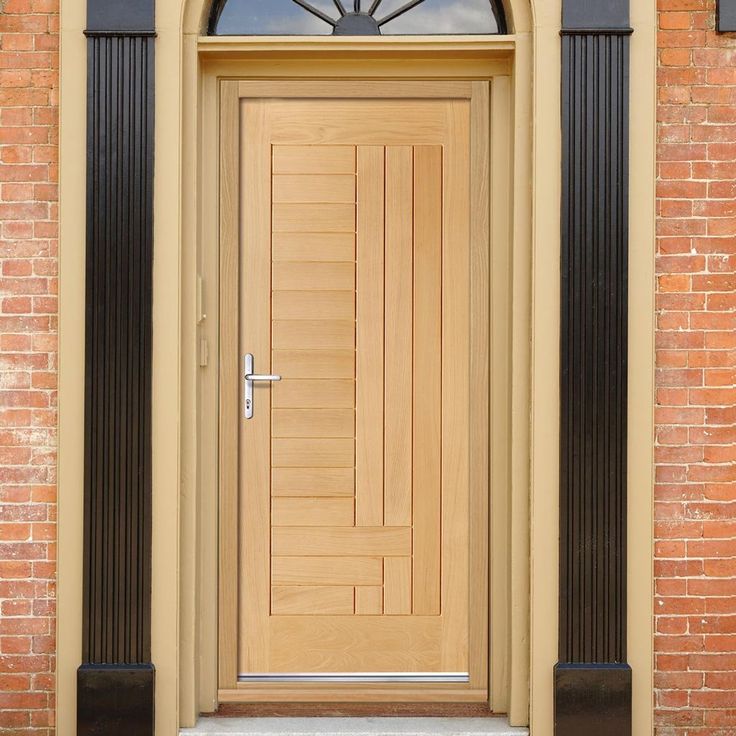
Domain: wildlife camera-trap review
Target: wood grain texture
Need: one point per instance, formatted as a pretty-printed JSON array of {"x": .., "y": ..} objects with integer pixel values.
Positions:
[
  {"x": 369, "y": 600},
  {"x": 352, "y": 541},
  {"x": 397, "y": 593},
  {"x": 370, "y": 345},
  {"x": 304, "y": 334},
  {"x": 340, "y": 695},
  {"x": 322, "y": 247},
  {"x": 427, "y": 362},
  {"x": 313, "y": 218},
  {"x": 313, "y": 305},
  {"x": 374, "y": 123},
  {"x": 313, "y": 159},
  {"x": 480, "y": 341},
  {"x": 355, "y": 710},
  {"x": 312, "y": 423},
  {"x": 301, "y": 188},
  {"x": 356, "y": 89},
  {"x": 255, "y": 338},
  {"x": 398, "y": 335},
  {"x": 314, "y": 363},
  {"x": 359, "y": 501},
  {"x": 228, "y": 571},
  {"x": 313, "y": 482},
  {"x": 312, "y": 511},
  {"x": 342, "y": 644},
  {"x": 314, "y": 276},
  {"x": 317, "y": 453},
  {"x": 312, "y": 600},
  {"x": 327, "y": 394},
  {"x": 289, "y": 694},
  {"x": 455, "y": 372},
  {"x": 327, "y": 571}
]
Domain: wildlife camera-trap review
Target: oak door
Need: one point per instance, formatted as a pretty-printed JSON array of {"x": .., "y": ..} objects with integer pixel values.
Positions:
[{"x": 357, "y": 556}]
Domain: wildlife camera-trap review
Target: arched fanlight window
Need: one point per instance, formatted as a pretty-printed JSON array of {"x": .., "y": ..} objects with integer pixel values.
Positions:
[{"x": 355, "y": 17}]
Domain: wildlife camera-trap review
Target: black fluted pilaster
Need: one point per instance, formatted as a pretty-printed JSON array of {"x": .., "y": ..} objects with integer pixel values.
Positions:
[
  {"x": 592, "y": 678},
  {"x": 116, "y": 679}
]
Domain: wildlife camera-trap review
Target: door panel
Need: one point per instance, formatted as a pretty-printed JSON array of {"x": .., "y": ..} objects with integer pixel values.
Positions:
[{"x": 355, "y": 501}]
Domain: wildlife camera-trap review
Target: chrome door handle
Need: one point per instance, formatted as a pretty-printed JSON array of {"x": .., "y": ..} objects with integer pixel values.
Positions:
[{"x": 249, "y": 378}]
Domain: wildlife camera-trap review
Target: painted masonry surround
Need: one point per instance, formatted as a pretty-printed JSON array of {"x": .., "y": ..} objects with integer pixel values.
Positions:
[{"x": 695, "y": 531}]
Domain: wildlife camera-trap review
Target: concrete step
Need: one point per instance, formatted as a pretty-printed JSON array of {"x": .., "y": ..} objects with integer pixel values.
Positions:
[{"x": 213, "y": 726}]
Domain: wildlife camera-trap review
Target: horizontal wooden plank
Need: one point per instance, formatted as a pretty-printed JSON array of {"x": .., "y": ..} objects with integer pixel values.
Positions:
[
  {"x": 300, "y": 482},
  {"x": 313, "y": 305},
  {"x": 313, "y": 218},
  {"x": 312, "y": 453},
  {"x": 314, "y": 363},
  {"x": 363, "y": 644},
  {"x": 352, "y": 541},
  {"x": 300, "y": 276},
  {"x": 312, "y": 512},
  {"x": 312, "y": 600},
  {"x": 355, "y": 89},
  {"x": 327, "y": 571},
  {"x": 312, "y": 423},
  {"x": 313, "y": 159},
  {"x": 301, "y": 334},
  {"x": 311, "y": 188},
  {"x": 321, "y": 393},
  {"x": 365, "y": 123},
  {"x": 341, "y": 693},
  {"x": 337, "y": 247}
]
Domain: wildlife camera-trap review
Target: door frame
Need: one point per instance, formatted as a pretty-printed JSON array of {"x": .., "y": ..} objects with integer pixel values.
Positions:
[
  {"x": 232, "y": 94},
  {"x": 222, "y": 89},
  {"x": 184, "y": 63}
]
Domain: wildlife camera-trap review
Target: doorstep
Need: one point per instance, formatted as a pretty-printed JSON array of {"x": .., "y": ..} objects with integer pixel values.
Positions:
[{"x": 214, "y": 726}]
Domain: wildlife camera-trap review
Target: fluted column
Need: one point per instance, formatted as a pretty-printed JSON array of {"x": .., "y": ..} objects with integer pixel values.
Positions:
[
  {"x": 116, "y": 679},
  {"x": 592, "y": 678}
]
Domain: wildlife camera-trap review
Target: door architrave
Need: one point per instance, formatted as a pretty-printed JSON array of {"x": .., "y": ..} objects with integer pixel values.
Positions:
[{"x": 452, "y": 64}]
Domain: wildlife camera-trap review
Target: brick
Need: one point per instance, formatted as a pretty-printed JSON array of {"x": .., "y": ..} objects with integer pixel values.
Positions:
[
  {"x": 28, "y": 191},
  {"x": 695, "y": 693}
]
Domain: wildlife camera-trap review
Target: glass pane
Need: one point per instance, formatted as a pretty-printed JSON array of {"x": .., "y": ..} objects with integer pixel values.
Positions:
[
  {"x": 290, "y": 17},
  {"x": 437, "y": 17},
  {"x": 271, "y": 18}
]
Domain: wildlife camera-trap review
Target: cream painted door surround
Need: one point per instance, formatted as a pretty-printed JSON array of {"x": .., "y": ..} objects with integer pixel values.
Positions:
[{"x": 354, "y": 526}]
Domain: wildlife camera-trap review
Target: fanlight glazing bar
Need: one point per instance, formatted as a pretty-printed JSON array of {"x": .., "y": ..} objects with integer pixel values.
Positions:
[{"x": 315, "y": 11}]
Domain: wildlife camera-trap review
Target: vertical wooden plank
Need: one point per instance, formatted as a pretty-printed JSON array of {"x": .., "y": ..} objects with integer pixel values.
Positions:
[
  {"x": 500, "y": 398},
  {"x": 398, "y": 336},
  {"x": 397, "y": 592},
  {"x": 369, "y": 600},
  {"x": 369, "y": 358},
  {"x": 427, "y": 390},
  {"x": 255, "y": 434},
  {"x": 456, "y": 374},
  {"x": 228, "y": 367},
  {"x": 479, "y": 376}
]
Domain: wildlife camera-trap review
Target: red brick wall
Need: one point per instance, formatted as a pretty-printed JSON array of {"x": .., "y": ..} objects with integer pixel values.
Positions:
[
  {"x": 696, "y": 370},
  {"x": 695, "y": 513},
  {"x": 28, "y": 303}
]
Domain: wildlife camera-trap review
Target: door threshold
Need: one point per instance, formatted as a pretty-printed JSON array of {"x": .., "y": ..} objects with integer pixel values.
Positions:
[{"x": 421, "y": 726}]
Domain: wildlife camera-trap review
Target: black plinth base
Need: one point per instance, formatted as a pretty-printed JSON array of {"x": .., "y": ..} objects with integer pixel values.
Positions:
[
  {"x": 115, "y": 700},
  {"x": 592, "y": 699}
]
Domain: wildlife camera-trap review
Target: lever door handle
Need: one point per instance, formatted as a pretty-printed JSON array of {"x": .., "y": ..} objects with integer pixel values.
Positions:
[{"x": 249, "y": 378}]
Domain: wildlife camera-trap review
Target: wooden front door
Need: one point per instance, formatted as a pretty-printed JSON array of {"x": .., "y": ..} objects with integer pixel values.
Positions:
[{"x": 360, "y": 550}]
